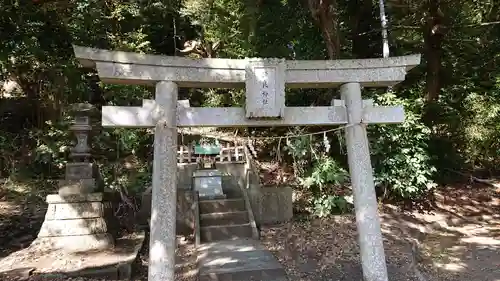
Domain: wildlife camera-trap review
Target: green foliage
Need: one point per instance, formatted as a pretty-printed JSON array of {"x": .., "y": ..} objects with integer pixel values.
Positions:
[
  {"x": 399, "y": 153},
  {"x": 300, "y": 150},
  {"x": 225, "y": 21},
  {"x": 482, "y": 135},
  {"x": 325, "y": 171},
  {"x": 322, "y": 179},
  {"x": 461, "y": 130},
  {"x": 325, "y": 205},
  {"x": 9, "y": 159},
  {"x": 52, "y": 147}
]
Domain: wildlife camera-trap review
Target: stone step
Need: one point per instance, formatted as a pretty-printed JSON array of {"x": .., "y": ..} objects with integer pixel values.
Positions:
[
  {"x": 231, "y": 193},
  {"x": 238, "y": 260},
  {"x": 225, "y": 232},
  {"x": 222, "y": 205},
  {"x": 224, "y": 218}
]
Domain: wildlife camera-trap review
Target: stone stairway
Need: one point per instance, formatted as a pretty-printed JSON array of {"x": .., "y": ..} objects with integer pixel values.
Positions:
[
  {"x": 224, "y": 219},
  {"x": 229, "y": 250}
]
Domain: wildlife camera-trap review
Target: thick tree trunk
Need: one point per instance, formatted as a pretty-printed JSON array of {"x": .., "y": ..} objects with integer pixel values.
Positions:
[
  {"x": 362, "y": 26},
  {"x": 96, "y": 95},
  {"x": 433, "y": 39},
  {"x": 324, "y": 13},
  {"x": 252, "y": 12},
  {"x": 31, "y": 89}
]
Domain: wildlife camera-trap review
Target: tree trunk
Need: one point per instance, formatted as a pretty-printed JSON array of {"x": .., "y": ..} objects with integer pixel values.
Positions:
[
  {"x": 324, "y": 13},
  {"x": 31, "y": 89},
  {"x": 252, "y": 12},
  {"x": 433, "y": 40},
  {"x": 362, "y": 23}
]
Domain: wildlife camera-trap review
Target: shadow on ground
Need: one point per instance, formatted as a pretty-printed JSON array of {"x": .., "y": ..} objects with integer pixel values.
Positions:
[
  {"x": 21, "y": 217},
  {"x": 185, "y": 259},
  {"x": 458, "y": 240}
]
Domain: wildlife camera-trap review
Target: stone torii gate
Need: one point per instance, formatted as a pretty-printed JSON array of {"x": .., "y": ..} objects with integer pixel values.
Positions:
[{"x": 265, "y": 81}]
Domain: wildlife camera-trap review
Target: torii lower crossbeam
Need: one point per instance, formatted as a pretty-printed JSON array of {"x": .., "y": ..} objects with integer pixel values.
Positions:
[{"x": 139, "y": 117}]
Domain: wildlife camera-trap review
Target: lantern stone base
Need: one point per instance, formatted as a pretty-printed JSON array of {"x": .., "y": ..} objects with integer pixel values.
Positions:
[
  {"x": 80, "y": 186},
  {"x": 77, "y": 222},
  {"x": 77, "y": 243}
]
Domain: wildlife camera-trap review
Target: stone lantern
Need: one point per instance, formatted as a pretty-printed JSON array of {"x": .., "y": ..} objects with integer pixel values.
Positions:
[
  {"x": 81, "y": 174},
  {"x": 81, "y": 128},
  {"x": 77, "y": 217}
]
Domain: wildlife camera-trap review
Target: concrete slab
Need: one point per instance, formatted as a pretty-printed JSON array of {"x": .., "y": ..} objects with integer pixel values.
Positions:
[
  {"x": 238, "y": 261},
  {"x": 225, "y": 232},
  {"x": 46, "y": 263},
  {"x": 240, "y": 245},
  {"x": 242, "y": 259}
]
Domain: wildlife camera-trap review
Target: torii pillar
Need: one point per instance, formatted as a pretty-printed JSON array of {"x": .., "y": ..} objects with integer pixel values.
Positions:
[
  {"x": 365, "y": 200},
  {"x": 164, "y": 185},
  {"x": 265, "y": 81}
]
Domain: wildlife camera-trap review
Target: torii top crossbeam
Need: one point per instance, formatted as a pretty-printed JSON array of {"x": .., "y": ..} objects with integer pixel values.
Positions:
[
  {"x": 265, "y": 81},
  {"x": 132, "y": 68}
]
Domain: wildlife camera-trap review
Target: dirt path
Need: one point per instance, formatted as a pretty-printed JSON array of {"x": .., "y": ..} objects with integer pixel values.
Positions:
[{"x": 458, "y": 240}]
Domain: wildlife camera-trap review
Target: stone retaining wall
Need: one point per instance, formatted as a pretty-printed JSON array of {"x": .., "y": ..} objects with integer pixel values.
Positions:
[
  {"x": 185, "y": 212},
  {"x": 271, "y": 205}
]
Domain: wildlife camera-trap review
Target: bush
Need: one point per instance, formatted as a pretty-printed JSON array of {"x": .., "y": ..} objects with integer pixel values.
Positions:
[{"x": 400, "y": 157}]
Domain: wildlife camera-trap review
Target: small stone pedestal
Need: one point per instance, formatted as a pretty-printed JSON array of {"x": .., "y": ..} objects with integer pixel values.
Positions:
[
  {"x": 77, "y": 217},
  {"x": 208, "y": 183},
  {"x": 207, "y": 179}
]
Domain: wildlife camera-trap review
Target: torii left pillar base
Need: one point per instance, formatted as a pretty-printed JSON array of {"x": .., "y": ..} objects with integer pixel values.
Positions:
[{"x": 164, "y": 192}]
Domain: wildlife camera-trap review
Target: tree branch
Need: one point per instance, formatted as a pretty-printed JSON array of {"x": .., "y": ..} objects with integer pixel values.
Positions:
[
  {"x": 478, "y": 180},
  {"x": 415, "y": 27},
  {"x": 480, "y": 24}
]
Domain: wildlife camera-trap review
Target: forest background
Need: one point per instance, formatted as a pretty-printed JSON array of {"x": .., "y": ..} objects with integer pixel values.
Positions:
[{"x": 452, "y": 100}]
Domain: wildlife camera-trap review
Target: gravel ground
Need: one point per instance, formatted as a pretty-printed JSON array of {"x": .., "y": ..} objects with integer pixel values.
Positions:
[
  {"x": 327, "y": 250},
  {"x": 185, "y": 269}
]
